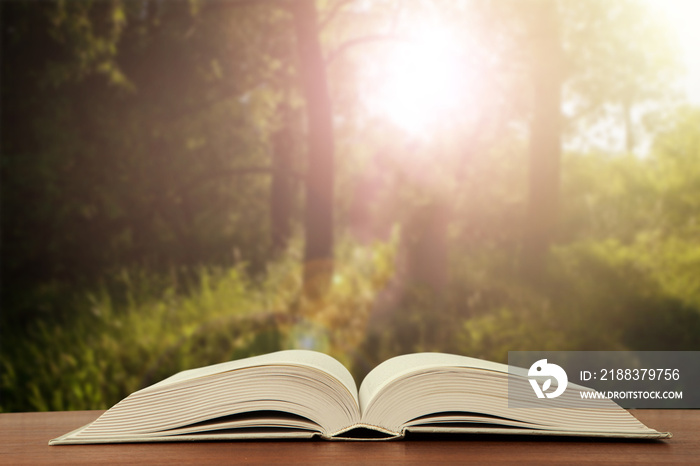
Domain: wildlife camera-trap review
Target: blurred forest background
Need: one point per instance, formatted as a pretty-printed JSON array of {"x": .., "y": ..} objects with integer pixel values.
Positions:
[{"x": 188, "y": 182}]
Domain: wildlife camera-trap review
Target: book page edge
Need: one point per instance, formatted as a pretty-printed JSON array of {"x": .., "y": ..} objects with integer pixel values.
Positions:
[
  {"x": 651, "y": 435},
  {"x": 68, "y": 440}
]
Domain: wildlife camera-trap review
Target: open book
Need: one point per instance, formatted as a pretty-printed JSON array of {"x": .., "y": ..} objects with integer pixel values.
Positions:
[{"x": 302, "y": 394}]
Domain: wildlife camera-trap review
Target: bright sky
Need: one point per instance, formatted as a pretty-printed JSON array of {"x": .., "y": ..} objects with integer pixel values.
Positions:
[
  {"x": 684, "y": 19},
  {"x": 424, "y": 80},
  {"x": 421, "y": 81}
]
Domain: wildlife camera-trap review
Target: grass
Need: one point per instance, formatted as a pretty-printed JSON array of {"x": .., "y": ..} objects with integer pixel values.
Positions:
[
  {"x": 601, "y": 296},
  {"x": 109, "y": 347}
]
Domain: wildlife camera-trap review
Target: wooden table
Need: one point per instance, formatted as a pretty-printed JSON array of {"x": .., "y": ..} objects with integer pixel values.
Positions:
[{"x": 25, "y": 436}]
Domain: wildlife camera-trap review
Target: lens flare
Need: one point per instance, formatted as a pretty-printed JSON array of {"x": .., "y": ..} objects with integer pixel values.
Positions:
[
  {"x": 422, "y": 82},
  {"x": 682, "y": 17}
]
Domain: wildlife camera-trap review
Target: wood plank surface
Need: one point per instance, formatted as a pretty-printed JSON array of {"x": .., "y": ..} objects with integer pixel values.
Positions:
[{"x": 25, "y": 437}]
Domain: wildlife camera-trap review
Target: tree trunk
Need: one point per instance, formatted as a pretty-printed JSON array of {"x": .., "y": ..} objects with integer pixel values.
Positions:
[
  {"x": 282, "y": 185},
  {"x": 318, "y": 216},
  {"x": 424, "y": 237},
  {"x": 545, "y": 139}
]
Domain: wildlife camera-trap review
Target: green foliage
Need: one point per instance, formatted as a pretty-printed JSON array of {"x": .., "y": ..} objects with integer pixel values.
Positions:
[
  {"x": 89, "y": 32},
  {"x": 600, "y": 296},
  {"x": 135, "y": 135},
  {"x": 107, "y": 350},
  {"x": 647, "y": 207},
  {"x": 626, "y": 266},
  {"x": 104, "y": 352},
  {"x": 137, "y": 140},
  {"x": 623, "y": 274}
]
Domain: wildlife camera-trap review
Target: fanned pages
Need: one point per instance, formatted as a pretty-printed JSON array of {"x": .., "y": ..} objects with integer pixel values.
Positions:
[{"x": 302, "y": 394}]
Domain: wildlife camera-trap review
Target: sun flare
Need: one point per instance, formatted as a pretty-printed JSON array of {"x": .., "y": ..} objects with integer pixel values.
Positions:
[
  {"x": 682, "y": 17},
  {"x": 421, "y": 82}
]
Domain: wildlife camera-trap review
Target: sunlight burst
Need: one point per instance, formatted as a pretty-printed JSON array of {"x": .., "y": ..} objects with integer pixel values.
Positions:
[
  {"x": 682, "y": 17},
  {"x": 422, "y": 83}
]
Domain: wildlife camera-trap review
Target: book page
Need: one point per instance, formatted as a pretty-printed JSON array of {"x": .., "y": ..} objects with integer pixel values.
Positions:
[
  {"x": 399, "y": 366},
  {"x": 416, "y": 390},
  {"x": 301, "y": 390},
  {"x": 313, "y": 359}
]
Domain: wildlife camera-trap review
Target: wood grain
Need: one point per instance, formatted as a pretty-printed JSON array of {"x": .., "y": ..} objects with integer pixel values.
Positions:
[{"x": 25, "y": 437}]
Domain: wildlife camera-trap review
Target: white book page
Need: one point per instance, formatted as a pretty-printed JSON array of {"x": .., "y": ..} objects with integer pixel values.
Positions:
[
  {"x": 399, "y": 366},
  {"x": 313, "y": 359}
]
